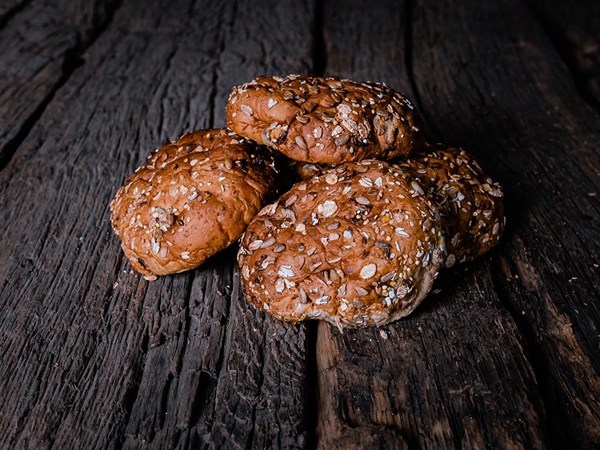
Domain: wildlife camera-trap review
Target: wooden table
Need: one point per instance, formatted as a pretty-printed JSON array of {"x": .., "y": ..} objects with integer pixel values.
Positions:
[{"x": 507, "y": 355}]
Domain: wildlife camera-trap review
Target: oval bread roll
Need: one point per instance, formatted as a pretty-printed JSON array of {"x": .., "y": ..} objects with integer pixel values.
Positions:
[
  {"x": 357, "y": 245},
  {"x": 191, "y": 199},
  {"x": 325, "y": 120}
]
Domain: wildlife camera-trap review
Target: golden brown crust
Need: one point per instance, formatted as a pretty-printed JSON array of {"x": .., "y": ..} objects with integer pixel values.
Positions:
[
  {"x": 325, "y": 120},
  {"x": 192, "y": 198},
  {"x": 357, "y": 245},
  {"x": 470, "y": 203}
]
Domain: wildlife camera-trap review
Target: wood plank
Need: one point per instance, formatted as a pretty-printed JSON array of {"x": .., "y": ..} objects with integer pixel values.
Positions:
[
  {"x": 262, "y": 397},
  {"x": 574, "y": 29},
  {"x": 257, "y": 387},
  {"x": 456, "y": 373},
  {"x": 489, "y": 80},
  {"x": 9, "y": 8},
  {"x": 94, "y": 356},
  {"x": 41, "y": 43}
]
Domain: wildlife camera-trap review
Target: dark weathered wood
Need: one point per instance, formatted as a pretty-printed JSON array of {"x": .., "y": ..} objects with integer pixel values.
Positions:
[
  {"x": 574, "y": 28},
  {"x": 257, "y": 388},
  {"x": 455, "y": 373},
  {"x": 9, "y": 8},
  {"x": 489, "y": 80},
  {"x": 92, "y": 355},
  {"x": 40, "y": 46}
]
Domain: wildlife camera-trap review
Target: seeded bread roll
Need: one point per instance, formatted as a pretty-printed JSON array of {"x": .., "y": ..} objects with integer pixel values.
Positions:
[
  {"x": 325, "y": 120},
  {"x": 357, "y": 245},
  {"x": 470, "y": 203},
  {"x": 192, "y": 198}
]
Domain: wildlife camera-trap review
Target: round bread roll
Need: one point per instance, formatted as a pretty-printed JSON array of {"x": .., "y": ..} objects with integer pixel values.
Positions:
[
  {"x": 325, "y": 120},
  {"x": 470, "y": 203},
  {"x": 357, "y": 245},
  {"x": 192, "y": 198}
]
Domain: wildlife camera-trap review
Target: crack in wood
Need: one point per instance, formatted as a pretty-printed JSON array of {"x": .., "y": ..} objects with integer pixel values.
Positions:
[
  {"x": 72, "y": 60},
  {"x": 7, "y": 12},
  {"x": 578, "y": 46},
  {"x": 319, "y": 47}
]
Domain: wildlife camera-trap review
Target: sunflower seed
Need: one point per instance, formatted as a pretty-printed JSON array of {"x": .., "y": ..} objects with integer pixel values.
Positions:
[
  {"x": 303, "y": 298},
  {"x": 268, "y": 242},
  {"x": 255, "y": 245},
  {"x": 387, "y": 277},
  {"x": 343, "y": 139},
  {"x": 333, "y": 276},
  {"x": 301, "y": 142}
]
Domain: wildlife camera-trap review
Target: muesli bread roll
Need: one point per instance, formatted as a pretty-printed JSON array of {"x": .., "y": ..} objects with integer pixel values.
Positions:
[
  {"x": 191, "y": 199},
  {"x": 325, "y": 120},
  {"x": 357, "y": 245}
]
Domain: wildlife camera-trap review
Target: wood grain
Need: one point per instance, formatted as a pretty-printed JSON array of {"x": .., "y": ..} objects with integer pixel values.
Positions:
[
  {"x": 505, "y": 355},
  {"x": 574, "y": 29},
  {"x": 111, "y": 360},
  {"x": 10, "y": 8},
  {"x": 475, "y": 64},
  {"x": 40, "y": 47},
  {"x": 431, "y": 380}
]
